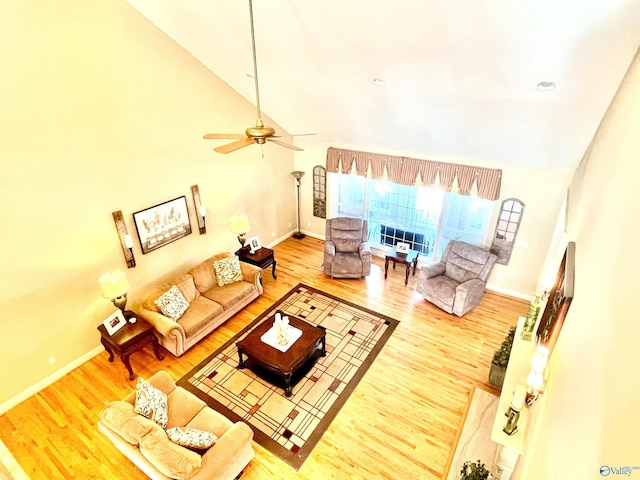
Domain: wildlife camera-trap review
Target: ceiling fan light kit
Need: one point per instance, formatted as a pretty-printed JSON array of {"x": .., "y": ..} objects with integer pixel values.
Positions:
[{"x": 259, "y": 133}]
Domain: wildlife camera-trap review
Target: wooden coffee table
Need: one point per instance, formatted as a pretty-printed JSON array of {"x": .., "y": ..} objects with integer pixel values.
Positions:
[
  {"x": 409, "y": 259},
  {"x": 282, "y": 364}
]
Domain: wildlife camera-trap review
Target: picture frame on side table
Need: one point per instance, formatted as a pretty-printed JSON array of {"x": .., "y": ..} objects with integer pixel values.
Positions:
[
  {"x": 254, "y": 244},
  {"x": 114, "y": 322},
  {"x": 162, "y": 224},
  {"x": 402, "y": 247}
]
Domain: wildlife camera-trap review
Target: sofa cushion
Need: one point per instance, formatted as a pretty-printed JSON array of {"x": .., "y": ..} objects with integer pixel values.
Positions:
[
  {"x": 183, "y": 406},
  {"x": 442, "y": 289},
  {"x": 201, "y": 312},
  {"x": 120, "y": 417},
  {"x": 172, "y": 303},
  {"x": 170, "y": 459},
  {"x": 231, "y": 295},
  {"x": 204, "y": 275},
  {"x": 151, "y": 402},
  {"x": 228, "y": 270},
  {"x": 212, "y": 421},
  {"x": 191, "y": 438}
]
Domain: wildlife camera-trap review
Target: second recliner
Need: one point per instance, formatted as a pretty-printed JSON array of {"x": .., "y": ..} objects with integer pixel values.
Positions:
[{"x": 456, "y": 283}]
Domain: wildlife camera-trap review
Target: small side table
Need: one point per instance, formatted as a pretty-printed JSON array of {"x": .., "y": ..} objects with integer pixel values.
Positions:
[
  {"x": 409, "y": 259},
  {"x": 262, "y": 258},
  {"x": 130, "y": 338}
]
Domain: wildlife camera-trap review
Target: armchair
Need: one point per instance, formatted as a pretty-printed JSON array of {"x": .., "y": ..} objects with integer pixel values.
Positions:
[
  {"x": 456, "y": 283},
  {"x": 347, "y": 253}
]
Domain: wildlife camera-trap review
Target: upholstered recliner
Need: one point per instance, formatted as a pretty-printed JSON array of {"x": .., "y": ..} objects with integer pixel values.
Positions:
[
  {"x": 347, "y": 253},
  {"x": 456, "y": 283}
]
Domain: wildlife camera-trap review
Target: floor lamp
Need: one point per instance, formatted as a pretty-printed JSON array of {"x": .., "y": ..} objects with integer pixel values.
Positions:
[{"x": 298, "y": 175}]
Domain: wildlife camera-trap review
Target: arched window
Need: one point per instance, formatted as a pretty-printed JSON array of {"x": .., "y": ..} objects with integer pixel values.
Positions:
[
  {"x": 506, "y": 229},
  {"x": 319, "y": 192}
]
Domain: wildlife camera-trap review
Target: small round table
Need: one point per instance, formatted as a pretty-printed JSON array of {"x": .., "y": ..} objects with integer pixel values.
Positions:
[
  {"x": 130, "y": 338},
  {"x": 409, "y": 259}
]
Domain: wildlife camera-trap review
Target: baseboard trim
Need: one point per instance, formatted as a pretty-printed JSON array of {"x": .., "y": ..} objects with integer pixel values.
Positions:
[
  {"x": 45, "y": 382},
  {"x": 511, "y": 293}
]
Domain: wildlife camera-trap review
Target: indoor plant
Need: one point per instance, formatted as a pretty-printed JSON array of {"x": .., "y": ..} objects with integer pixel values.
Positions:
[
  {"x": 500, "y": 360},
  {"x": 474, "y": 471}
]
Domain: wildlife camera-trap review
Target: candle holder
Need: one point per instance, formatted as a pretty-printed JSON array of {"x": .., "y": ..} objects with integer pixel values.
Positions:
[{"x": 513, "y": 413}]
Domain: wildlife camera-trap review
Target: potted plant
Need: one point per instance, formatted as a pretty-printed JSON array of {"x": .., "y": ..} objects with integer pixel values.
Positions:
[
  {"x": 474, "y": 471},
  {"x": 500, "y": 360}
]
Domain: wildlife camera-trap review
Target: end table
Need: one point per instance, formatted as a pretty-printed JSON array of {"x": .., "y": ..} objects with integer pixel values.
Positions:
[
  {"x": 130, "y": 338},
  {"x": 409, "y": 259},
  {"x": 262, "y": 258}
]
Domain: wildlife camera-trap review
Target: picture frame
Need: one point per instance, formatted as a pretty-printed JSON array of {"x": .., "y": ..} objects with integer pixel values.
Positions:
[
  {"x": 402, "y": 247},
  {"x": 162, "y": 224},
  {"x": 254, "y": 244},
  {"x": 558, "y": 302},
  {"x": 114, "y": 322}
]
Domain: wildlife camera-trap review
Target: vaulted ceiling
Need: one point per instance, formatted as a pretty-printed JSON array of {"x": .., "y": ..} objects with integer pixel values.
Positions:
[{"x": 460, "y": 76}]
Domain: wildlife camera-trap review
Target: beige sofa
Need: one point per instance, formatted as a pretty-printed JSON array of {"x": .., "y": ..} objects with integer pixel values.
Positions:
[
  {"x": 210, "y": 305},
  {"x": 147, "y": 445}
]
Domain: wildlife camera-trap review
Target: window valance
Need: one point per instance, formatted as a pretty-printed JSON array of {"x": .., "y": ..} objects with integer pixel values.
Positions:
[{"x": 405, "y": 171}]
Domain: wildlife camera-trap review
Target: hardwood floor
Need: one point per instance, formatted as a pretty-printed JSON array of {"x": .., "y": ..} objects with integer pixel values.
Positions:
[{"x": 400, "y": 423}]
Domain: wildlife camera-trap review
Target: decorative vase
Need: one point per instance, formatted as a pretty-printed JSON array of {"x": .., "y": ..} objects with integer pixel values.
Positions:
[{"x": 496, "y": 376}]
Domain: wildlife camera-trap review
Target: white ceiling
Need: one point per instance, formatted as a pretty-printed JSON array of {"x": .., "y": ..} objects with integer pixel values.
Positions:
[{"x": 460, "y": 75}]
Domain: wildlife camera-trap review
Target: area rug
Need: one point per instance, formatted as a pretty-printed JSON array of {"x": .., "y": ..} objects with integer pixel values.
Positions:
[{"x": 291, "y": 427}]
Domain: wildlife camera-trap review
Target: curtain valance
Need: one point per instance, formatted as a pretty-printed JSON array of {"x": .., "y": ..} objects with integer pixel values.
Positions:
[{"x": 405, "y": 171}]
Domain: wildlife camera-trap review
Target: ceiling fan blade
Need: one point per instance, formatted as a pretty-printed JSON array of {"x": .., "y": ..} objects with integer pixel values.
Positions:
[
  {"x": 233, "y": 146},
  {"x": 292, "y": 147},
  {"x": 226, "y": 136},
  {"x": 294, "y": 135}
]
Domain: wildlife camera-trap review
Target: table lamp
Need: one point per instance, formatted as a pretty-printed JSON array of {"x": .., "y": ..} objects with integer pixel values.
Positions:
[
  {"x": 240, "y": 225},
  {"x": 115, "y": 287}
]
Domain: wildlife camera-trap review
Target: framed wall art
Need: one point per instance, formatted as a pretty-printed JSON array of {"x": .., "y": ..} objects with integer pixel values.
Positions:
[
  {"x": 162, "y": 224},
  {"x": 559, "y": 301}
]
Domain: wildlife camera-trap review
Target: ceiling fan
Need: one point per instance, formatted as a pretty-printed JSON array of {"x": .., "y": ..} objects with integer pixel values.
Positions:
[{"x": 259, "y": 133}]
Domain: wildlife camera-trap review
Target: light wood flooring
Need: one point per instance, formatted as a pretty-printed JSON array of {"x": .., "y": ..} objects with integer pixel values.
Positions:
[{"x": 401, "y": 421}]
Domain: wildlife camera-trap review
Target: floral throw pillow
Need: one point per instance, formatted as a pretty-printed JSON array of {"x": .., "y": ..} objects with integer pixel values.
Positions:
[
  {"x": 172, "y": 303},
  {"x": 151, "y": 403},
  {"x": 228, "y": 270},
  {"x": 191, "y": 438}
]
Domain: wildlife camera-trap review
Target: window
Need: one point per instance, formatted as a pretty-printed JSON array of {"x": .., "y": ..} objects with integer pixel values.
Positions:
[
  {"x": 504, "y": 237},
  {"x": 425, "y": 218},
  {"x": 319, "y": 191}
]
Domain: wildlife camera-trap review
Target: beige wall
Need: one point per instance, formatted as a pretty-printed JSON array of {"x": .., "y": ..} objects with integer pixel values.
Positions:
[
  {"x": 102, "y": 112},
  {"x": 542, "y": 191},
  {"x": 589, "y": 417}
]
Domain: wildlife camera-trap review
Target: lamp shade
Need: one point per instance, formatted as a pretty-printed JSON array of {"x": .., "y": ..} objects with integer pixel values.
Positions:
[
  {"x": 114, "y": 284},
  {"x": 240, "y": 224}
]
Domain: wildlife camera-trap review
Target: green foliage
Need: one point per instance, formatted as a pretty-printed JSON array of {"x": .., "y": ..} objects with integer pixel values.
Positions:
[
  {"x": 501, "y": 356},
  {"x": 474, "y": 471}
]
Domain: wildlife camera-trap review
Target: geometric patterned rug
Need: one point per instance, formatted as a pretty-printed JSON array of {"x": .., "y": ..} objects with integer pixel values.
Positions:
[{"x": 290, "y": 427}]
